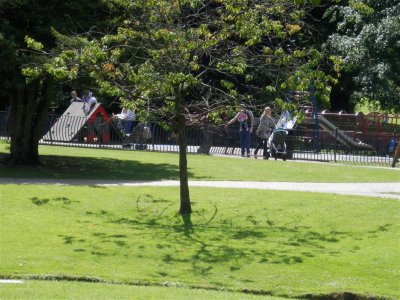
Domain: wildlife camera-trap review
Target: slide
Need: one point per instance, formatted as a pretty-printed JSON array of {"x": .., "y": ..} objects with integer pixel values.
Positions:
[
  {"x": 341, "y": 137},
  {"x": 70, "y": 123}
]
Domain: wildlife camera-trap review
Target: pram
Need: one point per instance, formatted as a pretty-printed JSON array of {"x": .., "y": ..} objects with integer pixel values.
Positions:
[
  {"x": 138, "y": 138},
  {"x": 277, "y": 144}
]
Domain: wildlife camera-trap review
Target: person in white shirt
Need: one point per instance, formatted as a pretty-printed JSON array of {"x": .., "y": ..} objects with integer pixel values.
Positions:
[
  {"x": 127, "y": 114},
  {"x": 89, "y": 102},
  {"x": 126, "y": 119}
]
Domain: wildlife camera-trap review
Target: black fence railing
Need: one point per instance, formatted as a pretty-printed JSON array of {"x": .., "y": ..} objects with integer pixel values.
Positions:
[{"x": 303, "y": 143}]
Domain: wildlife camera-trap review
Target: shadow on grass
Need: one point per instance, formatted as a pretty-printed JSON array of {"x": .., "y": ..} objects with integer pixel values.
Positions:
[
  {"x": 63, "y": 167},
  {"x": 42, "y": 201},
  {"x": 214, "y": 242},
  {"x": 187, "y": 224}
]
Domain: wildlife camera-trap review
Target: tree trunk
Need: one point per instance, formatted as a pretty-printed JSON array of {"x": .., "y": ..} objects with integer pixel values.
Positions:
[
  {"x": 29, "y": 110},
  {"x": 185, "y": 208}
]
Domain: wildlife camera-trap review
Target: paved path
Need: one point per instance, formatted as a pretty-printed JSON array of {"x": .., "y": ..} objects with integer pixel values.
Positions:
[
  {"x": 383, "y": 190},
  {"x": 12, "y": 281}
]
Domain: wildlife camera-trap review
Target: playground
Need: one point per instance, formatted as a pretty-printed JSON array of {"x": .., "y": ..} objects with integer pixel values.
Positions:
[{"x": 368, "y": 139}]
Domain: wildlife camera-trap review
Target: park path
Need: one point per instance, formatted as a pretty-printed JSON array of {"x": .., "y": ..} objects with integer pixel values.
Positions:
[{"x": 373, "y": 189}]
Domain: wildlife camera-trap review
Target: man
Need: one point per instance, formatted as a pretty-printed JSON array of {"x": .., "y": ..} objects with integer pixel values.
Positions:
[
  {"x": 126, "y": 119},
  {"x": 245, "y": 118}
]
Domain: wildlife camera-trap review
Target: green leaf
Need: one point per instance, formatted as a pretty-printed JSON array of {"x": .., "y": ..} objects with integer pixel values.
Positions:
[{"x": 32, "y": 44}]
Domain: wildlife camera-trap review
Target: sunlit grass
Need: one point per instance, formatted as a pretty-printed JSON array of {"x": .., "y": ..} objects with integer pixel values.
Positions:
[
  {"x": 268, "y": 242},
  {"x": 103, "y": 291},
  {"x": 81, "y": 163},
  {"x": 287, "y": 244}
]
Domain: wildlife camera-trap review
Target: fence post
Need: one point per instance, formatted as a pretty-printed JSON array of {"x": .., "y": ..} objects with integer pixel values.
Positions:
[
  {"x": 396, "y": 155},
  {"x": 336, "y": 142},
  {"x": 53, "y": 112}
]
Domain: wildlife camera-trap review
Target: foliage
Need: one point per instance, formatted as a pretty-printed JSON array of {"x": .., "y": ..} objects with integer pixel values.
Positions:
[
  {"x": 213, "y": 54},
  {"x": 367, "y": 41},
  {"x": 28, "y": 23},
  {"x": 29, "y": 20}
]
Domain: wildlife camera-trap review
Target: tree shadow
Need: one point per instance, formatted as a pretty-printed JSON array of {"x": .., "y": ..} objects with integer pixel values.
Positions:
[
  {"x": 212, "y": 242},
  {"x": 187, "y": 224},
  {"x": 80, "y": 244},
  {"x": 63, "y": 200},
  {"x": 64, "y": 167},
  {"x": 39, "y": 202}
]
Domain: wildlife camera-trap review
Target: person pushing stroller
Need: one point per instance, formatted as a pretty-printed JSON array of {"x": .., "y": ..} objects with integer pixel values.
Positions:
[{"x": 265, "y": 127}]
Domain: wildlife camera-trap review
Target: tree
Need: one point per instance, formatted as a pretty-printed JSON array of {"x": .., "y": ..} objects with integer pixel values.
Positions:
[
  {"x": 367, "y": 42},
  {"x": 169, "y": 58},
  {"x": 29, "y": 101}
]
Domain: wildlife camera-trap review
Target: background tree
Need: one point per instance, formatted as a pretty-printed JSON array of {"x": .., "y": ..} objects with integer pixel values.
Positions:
[
  {"x": 367, "y": 41},
  {"x": 29, "y": 100}
]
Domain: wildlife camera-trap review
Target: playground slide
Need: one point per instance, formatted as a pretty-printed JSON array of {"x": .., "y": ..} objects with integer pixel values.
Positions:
[
  {"x": 70, "y": 123},
  {"x": 342, "y": 137}
]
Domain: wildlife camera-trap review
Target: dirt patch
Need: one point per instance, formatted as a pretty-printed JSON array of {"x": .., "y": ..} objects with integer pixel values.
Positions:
[{"x": 343, "y": 296}]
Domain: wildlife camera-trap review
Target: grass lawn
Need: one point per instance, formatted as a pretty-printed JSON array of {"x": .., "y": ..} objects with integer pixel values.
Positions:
[
  {"x": 132, "y": 241},
  {"x": 272, "y": 242},
  {"x": 82, "y": 163},
  {"x": 82, "y": 290}
]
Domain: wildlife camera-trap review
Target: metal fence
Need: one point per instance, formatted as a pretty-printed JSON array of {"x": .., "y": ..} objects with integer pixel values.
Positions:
[{"x": 306, "y": 142}]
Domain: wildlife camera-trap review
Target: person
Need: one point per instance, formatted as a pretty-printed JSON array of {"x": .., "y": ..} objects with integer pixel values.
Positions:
[
  {"x": 74, "y": 97},
  {"x": 126, "y": 119},
  {"x": 266, "y": 126},
  {"x": 245, "y": 118},
  {"x": 89, "y": 102},
  {"x": 127, "y": 114}
]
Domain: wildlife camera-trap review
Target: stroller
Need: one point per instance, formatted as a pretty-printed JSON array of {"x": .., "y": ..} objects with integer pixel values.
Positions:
[
  {"x": 140, "y": 135},
  {"x": 277, "y": 144}
]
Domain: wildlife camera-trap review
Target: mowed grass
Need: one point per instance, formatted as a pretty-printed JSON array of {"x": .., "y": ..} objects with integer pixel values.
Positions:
[
  {"x": 280, "y": 243},
  {"x": 82, "y": 163},
  {"x": 82, "y": 290},
  {"x": 270, "y": 242}
]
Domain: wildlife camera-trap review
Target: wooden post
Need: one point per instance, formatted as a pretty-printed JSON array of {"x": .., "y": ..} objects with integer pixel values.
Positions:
[{"x": 396, "y": 155}]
